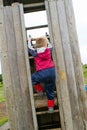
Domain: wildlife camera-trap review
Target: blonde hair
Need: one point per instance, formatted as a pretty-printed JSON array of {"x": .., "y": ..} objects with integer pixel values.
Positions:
[{"x": 41, "y": 42}]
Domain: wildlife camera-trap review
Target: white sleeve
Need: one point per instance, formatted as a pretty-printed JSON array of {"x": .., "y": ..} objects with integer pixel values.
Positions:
[
  {"x": 49, "y": 45},
  {"x": 30, "y": 46}
]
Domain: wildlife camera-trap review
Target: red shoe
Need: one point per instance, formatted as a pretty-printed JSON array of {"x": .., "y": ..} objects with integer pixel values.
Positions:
[
  {"x": 50, "y": 106},
  {"x": 38, "y": 88}
]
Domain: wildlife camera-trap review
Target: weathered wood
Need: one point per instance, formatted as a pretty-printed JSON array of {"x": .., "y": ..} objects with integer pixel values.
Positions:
[
  {"x": 36, "y": 27},
  {"x": 40, "y": 103},
  {"x": 13, "y": 64},
  {"x": 82, "y": 96},
  {"x": 54, "y": 129},
  {"x": 15, "y": 72},
  {"x": 1, "y": 21},
  {"x": 61, "y": 79},
  {"x": 1, "y": 2},
  {"x": 33, "y": 5},
  {"x": 16, "y": 68},
  {"x": 20, "y": 36},
  {"x": 35, "y": 125},
  {"x": 45, "y": 112},
  {"x": 6, "y": 72},
  {"x": 60, "y": 37},
  {"x": 76, "y": 116}
]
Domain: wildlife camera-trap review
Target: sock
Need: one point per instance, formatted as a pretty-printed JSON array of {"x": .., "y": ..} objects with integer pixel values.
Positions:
[{"x": 38, "y": 88}]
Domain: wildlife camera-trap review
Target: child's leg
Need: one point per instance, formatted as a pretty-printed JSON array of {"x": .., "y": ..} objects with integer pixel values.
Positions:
[
  {"x": 49, "y": 87},
  {"x": 36, "y": 80}
]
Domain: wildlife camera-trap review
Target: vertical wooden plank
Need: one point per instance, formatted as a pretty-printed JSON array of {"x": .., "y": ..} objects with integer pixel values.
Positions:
[
  {"x": 47, "y": 6},
  {"x": 61, "y": 79},
  {"x": 28, "y": 68},
  {"x": 1, "y": 2},
  {"x": 77, "y": 120},
  {"x": 82, "y": 96},
  {"x": 7, "y": 80},
  {"x": 1, "y": 20},
  {"x": 13, "y": 63},
  {"x": 27, "y": 94}
]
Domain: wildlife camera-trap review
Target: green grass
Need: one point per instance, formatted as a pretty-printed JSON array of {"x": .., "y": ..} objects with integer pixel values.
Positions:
[
  {"x": 2, "y": 95},
  {"x": 85, "y": 73},
  {"x": 3, "y": 120}
]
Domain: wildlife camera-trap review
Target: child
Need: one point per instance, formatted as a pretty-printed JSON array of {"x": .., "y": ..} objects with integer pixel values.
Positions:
[{"x": 45, "y": 71}]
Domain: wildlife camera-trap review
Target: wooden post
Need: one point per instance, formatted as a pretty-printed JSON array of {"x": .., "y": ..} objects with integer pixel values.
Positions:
[
  {"x": 82, "y": 96},
  {"x": 7, "y": 80},
  {"x": 6, "y": 71},
  {"x": 67, "y": 90},
  {"x": 23, "y": 62},
  {"x": 15, "y": 73},
  {"x": 1, "y": 20},
  {"x": 61, "y": 80}
]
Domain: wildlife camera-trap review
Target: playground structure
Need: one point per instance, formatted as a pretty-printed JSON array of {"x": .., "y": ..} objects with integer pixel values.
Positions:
[{"x": 26, "y": 109}]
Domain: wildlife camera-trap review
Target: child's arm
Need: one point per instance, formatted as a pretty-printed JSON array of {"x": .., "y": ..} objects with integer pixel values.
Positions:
[
  {"x": 31, "y": 49},
  {"x": 50, "y": 46}
]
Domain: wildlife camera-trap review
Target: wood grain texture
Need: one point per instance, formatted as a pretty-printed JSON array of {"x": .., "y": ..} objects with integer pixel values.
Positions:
[
  {"x": 77, "y": 120},
  {"x": 61, "y": 84},
  {"x": 15, "y": 72},
  {"x": 6, "y": 71},
  {"x": 66, "y": 81},
  {"x": 82, "y": 96}
]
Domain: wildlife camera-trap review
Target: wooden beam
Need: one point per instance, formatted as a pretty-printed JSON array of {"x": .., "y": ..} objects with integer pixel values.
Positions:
[
  {"x": 66, "y": 91},
  {"x": 55, "y": 129},
  {"x": 82, "y": 96},
  {"x": 6, "y": 70},
  {"x": 20, "y": 37},
  {"x": 77, "y": 122},
  {"x": 40, "y": 103},
  {"x": 1, "y": 2},
  {"x": 61, "y": 78},
  {"x": 46, "y": 112},
  {"x": 1, "y": 21},
  {"x": 14, "y": 67},
  {"x": 36, "y": 27},
  {"x": 28, "y": 71},
  {"x": 15, "y": 73},
  {"x": 33, "y": 5}
]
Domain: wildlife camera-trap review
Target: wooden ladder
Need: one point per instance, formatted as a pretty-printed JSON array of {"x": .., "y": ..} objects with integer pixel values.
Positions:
[{"x": 45, "y": 120}]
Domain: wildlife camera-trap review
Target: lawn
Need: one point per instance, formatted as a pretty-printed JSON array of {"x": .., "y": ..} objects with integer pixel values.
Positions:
[
  {"x": 2, "y": 96},
  {"x": 3, "y": 113},
  {"x": 85, "y": 73},
  {"x": 3, "y": 120}
]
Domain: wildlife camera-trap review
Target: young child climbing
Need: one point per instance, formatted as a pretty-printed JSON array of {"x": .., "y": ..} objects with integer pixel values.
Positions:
[{"x": 45, "y": 68}]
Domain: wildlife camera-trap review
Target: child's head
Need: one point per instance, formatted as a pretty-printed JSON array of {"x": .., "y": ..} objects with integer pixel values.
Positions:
[{"x": 41, "y": 42}]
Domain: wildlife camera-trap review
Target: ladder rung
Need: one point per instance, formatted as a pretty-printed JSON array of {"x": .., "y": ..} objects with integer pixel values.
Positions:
[
  {"x": 31, "y": 57},
  {"x": 40, "y": 103},
  {"x": 54, "y": 129},
  {"x": 45, "y": 112},
  {"x": 38, "y": 95}
]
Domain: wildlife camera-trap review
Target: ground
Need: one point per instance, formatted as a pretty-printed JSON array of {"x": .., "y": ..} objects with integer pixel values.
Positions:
[{"x": 3, "y": 113}]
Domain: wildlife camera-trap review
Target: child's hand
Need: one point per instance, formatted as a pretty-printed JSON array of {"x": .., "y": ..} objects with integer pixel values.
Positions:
[
  {"x": 30, "y": 46},
  {"x": 49, "y": 45},
  {"x": 29, "y": 39}
]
